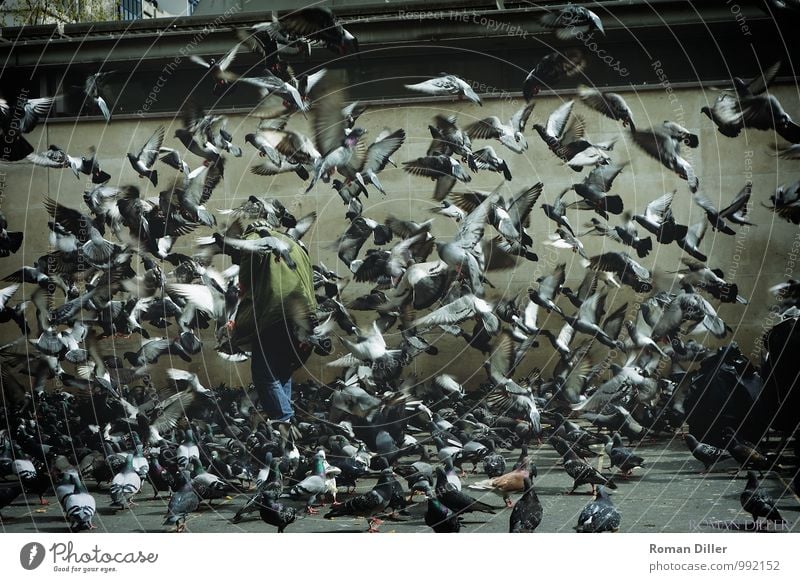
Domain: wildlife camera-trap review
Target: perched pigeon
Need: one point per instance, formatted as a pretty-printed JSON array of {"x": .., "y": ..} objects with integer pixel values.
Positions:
[
  {"x": 440, "y": 519},
  {"x": 125, "y": 485},
  {"x": 79, "y": 506},
  {"x": 274, "y": 513},
  {"x": 758, "y": 502},
  {"x": 745, "y": 453},
  {"x": 600, "y": 515},
  {"x": 367, "y": 505},
  {"x": 527, "y": 512},
  {"x": 457, "y": 501},
  {"x": 622, "y": 457},
  {"x": 583, "y": 473},
  {"x": 312, "y": 486},
  {"x": 184, "y": 501},
  {"x": 707, "y": 454},
  {"x": 511, "y": 482}
]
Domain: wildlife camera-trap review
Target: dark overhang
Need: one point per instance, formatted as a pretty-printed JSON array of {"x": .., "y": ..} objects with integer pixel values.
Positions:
[{"x": 490, "y": 47}]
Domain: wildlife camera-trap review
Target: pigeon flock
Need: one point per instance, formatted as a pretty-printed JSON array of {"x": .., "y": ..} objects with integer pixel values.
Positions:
[{"x": 96, "y": 428}]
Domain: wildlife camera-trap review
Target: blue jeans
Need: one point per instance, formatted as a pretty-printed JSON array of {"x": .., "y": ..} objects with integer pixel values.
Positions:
[{"x": 272, "y": 378}]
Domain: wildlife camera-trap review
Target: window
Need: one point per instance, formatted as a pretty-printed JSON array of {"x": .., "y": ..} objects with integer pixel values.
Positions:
[{"x": 130, "y": 9}]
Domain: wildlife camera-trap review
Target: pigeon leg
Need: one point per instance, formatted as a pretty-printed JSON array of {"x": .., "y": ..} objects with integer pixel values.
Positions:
[
  {"x": 43, "y": 501},
  {"x": 374, "y": 524},
  {"x": 508, "y": 501},
  {"x": 310, "y": 510}
]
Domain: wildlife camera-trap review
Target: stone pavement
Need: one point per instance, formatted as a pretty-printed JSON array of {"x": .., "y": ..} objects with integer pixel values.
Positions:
[{"x": 668, "y": 495}]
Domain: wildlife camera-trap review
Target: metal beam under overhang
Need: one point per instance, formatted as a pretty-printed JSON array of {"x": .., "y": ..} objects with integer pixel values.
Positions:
[{"x": 162, "y": 39}]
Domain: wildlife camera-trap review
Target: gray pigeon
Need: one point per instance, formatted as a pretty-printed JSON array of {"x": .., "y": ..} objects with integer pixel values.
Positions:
[
  {"x": 313, "y": 486},
  {"x": 600, "y": 515},
  {"x": 758, "y": 502},
  {"x": 79, "y": 506},
  {"x": 609, "y": 104},
  {"x": 142, "y": 162},
  {"x": 125, "y": 485},
  {"x": 445, "y": 85},
  {"x": 663, "y": 142}
]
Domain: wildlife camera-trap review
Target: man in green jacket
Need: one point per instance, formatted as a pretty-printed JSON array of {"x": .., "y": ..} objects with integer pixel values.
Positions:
[{"x": 277, "y": 302}]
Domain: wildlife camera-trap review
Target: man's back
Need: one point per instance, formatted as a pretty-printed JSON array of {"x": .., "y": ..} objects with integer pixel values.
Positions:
[{"x": 270, "y": 288}]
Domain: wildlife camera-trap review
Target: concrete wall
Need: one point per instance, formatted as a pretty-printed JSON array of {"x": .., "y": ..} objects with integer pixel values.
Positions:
[{"x": 755, "y": 259}]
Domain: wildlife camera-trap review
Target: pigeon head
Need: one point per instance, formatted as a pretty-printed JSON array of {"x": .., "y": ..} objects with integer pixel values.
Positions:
[
  {"x": 604, "y": 493},
  {"x": 355, "y": 134}
]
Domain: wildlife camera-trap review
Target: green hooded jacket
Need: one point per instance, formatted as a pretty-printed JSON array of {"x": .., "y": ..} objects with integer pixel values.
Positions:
[{"x": 268, "y": 287}]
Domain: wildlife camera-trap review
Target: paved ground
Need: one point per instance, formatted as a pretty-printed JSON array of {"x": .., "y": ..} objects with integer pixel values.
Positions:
[{"x": 669, "y": 496}]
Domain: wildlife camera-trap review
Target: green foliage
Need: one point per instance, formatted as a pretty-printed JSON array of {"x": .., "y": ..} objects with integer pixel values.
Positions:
[{"x": 33, "y": 12}]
